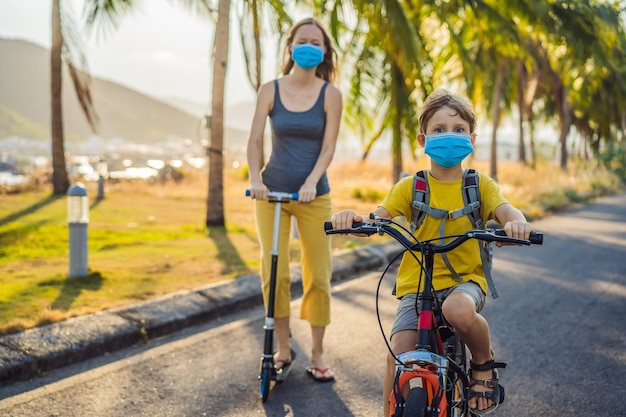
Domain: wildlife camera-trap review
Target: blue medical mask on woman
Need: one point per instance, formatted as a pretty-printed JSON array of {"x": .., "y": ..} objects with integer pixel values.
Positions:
[
  {"x": 307, "y": 56},
  {"x": 448, "y": 149}
]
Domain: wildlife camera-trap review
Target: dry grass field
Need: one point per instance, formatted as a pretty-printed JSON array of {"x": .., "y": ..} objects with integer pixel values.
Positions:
[{"x": 147, "y": 240}]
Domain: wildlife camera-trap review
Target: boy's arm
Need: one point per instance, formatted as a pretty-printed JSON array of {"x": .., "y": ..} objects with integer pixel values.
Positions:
[{"x": 514, "y": 221}]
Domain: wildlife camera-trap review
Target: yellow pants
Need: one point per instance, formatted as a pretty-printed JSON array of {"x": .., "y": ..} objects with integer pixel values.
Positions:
[{"x": 316, "y": 256}]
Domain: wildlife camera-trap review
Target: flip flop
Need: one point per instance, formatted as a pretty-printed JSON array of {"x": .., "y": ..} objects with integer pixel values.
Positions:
[
  {"x": 284, "y": 367},
  {"x": 314, "y": 371}
]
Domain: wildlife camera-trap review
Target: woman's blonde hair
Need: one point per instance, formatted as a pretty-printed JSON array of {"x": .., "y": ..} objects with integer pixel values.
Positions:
[{"x": 327, "y": 69}]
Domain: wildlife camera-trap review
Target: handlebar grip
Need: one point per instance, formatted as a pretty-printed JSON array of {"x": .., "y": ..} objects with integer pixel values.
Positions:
[
  {"x": 329, "y": 225},
  {"x": 536, "y": 238},
  {"x": 278, "y": 194}
]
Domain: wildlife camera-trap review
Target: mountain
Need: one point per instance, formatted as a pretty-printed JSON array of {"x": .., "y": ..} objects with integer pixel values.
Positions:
[
  {"x": 123, "y": 113},
  {"x": 237, "y": 116}
]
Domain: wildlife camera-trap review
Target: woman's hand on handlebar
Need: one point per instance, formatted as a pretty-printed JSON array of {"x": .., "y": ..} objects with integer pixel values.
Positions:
[
  {"x": 258, "y": 190},
  {"x": 307, "y": 193},
  {"x": 518, "y": 229}
]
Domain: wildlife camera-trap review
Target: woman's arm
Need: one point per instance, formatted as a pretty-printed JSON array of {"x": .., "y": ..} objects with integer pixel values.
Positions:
[{"x": 254, "y": 149}]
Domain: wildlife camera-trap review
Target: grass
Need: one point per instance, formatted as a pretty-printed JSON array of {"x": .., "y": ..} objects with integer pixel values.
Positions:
[{"x": 147, "y": 240}]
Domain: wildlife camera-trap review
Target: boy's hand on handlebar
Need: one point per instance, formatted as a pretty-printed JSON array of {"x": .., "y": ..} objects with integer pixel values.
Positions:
[
  {"x": 344, "y": 219},
  {"x": 517, "y": 229}
]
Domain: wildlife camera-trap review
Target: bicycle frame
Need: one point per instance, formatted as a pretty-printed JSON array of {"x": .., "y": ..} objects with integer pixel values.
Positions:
[{"x": 429, "y": 357}]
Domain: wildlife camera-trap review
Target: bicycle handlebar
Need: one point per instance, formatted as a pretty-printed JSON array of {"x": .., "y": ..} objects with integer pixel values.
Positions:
[
  {"x": 278, "y": 195},
  {"x": 384, "y": 226}
]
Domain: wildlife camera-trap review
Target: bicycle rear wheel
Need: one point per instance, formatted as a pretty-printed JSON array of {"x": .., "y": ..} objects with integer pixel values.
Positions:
[{"x": 416, "y": 403}]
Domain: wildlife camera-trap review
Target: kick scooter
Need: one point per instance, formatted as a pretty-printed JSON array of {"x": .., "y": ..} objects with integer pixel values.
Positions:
[{"x": 268, "y": 372}]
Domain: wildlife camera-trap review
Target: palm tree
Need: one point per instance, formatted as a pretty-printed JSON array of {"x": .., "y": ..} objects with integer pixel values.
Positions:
[
  {"x": 66, "y": 47},
  {"x": 215, "y": 198},
  {"x": 63, "y": 33},
  {"x": 575, "y": 46},
  {"x": 384, "y": 52},
  {"x": 250, "y": 18},
  {"x": 254, "y": 17}
]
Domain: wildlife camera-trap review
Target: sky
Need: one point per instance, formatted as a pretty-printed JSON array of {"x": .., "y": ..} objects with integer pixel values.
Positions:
[{"x": 158, "y": 49}]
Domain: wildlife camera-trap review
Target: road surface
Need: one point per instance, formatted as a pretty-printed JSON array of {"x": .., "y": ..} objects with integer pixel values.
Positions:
[{"x": 559, "y": 324}]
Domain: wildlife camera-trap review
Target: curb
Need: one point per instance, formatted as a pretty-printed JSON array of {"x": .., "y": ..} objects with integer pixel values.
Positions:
[{"x": 36, "y": 351}]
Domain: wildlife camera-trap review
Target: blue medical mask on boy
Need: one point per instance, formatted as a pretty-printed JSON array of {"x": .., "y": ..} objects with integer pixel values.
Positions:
[
  {"x": 448, "y": 149},
  {"x": 307, "y": 56}
]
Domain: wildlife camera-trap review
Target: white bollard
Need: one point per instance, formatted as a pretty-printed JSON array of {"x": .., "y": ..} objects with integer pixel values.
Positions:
[{"x": 77, "y": 220}]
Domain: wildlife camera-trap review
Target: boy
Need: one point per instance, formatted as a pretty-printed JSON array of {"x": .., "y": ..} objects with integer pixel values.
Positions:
[{"x": 447, "y": 133}]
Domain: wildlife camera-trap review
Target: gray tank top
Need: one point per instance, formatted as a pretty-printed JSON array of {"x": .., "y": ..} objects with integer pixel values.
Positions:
[{"x": 296, "y": 144}]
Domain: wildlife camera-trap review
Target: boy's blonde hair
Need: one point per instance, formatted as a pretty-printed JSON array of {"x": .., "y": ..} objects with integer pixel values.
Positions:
[{"x": 439, "y": 98}]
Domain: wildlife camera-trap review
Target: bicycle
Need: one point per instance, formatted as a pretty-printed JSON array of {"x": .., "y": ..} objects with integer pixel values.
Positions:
[
  {"x": 268, "y": 372},
  {"x": 436, "y": 370}
]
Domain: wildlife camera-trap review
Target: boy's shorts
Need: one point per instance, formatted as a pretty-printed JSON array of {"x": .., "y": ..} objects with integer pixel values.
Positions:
[{"x": 406, "y": 314}]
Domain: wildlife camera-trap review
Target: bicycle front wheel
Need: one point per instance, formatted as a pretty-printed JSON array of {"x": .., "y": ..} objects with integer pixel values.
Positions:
[{"x": 416, "y": 403}]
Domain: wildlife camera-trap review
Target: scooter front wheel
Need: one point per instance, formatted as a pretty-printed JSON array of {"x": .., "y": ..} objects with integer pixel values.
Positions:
[{"x": 266, "y": 380}]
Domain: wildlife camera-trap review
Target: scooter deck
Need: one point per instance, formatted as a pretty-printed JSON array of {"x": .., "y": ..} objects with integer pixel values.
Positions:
[{"x": 281, "y": 374}]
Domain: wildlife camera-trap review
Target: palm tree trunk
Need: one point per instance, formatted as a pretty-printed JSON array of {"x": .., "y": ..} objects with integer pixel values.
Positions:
[
  {"x": 60, "y": 181},
  {"x": 497, "y": 98},
  {"x": 257, "y": 44},
  {"x": 566, "y": 122},
  {"x": 531, "y": 138},
  {"x": 521, "y": 86},
  {"x": 565, "y": 115},
  {"x": 215, "y": 199},
  {"x": 396, "y": 141}
]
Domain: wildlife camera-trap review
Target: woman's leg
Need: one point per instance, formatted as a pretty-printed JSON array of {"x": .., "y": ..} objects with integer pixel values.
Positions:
[
  {"x": 316, "y": 272},
  {"x": 317, "y": 352}
]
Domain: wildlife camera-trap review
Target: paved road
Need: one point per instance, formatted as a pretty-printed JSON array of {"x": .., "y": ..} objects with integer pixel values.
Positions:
[{"x": 558, "y": 323}]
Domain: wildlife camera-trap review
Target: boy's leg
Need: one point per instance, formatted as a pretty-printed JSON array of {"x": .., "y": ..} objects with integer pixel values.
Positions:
[{"x": 459, "y": 309}]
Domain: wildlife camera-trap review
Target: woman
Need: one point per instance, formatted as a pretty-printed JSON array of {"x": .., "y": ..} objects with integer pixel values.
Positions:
[{"x": 305, "y": 113}]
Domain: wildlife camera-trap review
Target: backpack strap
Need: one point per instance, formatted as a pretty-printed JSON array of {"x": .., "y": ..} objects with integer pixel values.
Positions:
[
  {"x": 471, "y": 199},
  {"x": 421, "y": 198}
]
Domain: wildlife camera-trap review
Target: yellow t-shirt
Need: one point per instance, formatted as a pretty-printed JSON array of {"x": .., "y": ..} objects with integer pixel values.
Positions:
[{"x": 465, "y": 259}]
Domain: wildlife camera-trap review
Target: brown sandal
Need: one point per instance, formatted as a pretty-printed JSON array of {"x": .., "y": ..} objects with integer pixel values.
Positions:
[{"x": 496, "y": 395}]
